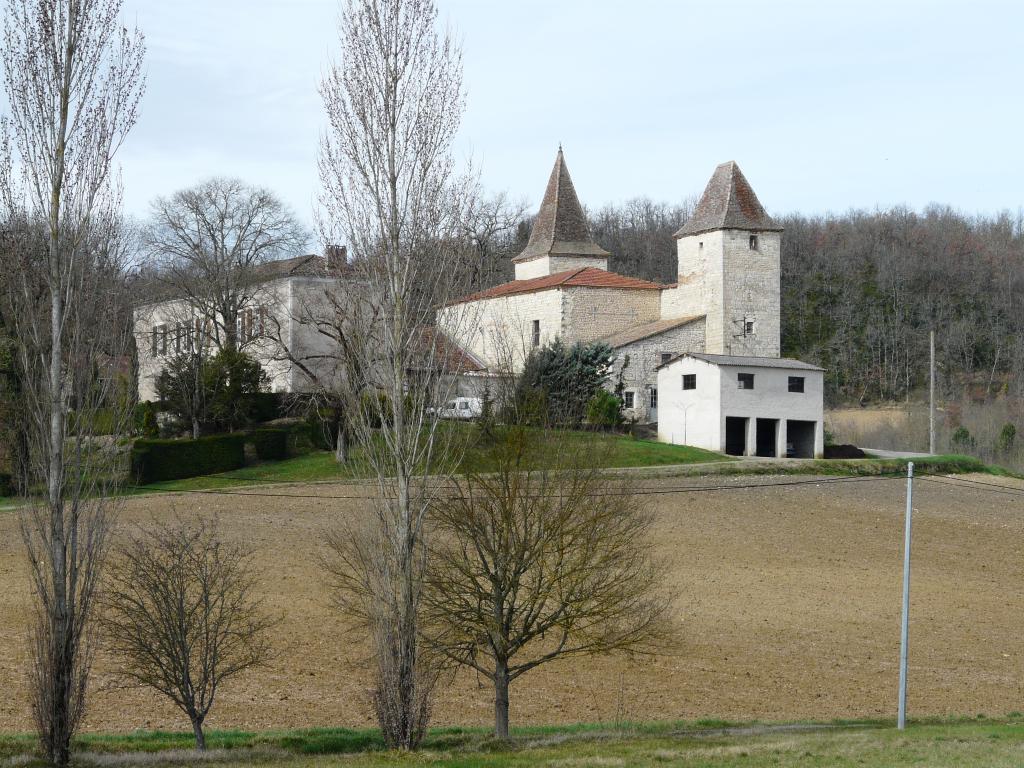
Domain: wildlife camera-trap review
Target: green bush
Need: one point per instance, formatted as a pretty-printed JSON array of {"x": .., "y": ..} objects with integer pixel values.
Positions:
[
  {"x": 270, "y": 444},
  {"x": 155, "y": 460},
  {"x": 263, "y": 406},
  {"x": 1007, "y": 438},
  {"x": 7, "y": 484},
  {"x": 145, "y": 421},
  {"x": 963, "y": 440},
  {"x": 604, "y": 409}
]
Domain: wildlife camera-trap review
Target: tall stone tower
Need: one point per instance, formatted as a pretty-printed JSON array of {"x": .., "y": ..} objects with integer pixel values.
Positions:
[
  {"x": 729, "y": 268},
  {"x": 560, "y": 238}
]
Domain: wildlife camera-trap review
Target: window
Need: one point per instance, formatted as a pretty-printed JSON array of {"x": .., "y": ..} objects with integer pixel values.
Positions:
[
  {"x": 796, "y": 383},
  {"x": 745, "y": 380},
  {"x": 154, "y": 342},
  {"x": 689, "y": 381},
  {"x": 753, "y": 242},
  {"x": 700, "y": 244},
  {"x": 161, "y": 338},
  {"x": 748, "y": 327},
  {"x": 463, "y": 406},
  {"x": 177, "y": 339},
  {"x": 627, "y": 399},
  {"x": 665, "y": 357},
  {"x": 536, "y": 333},
  {"x": 654, "y": 397}
]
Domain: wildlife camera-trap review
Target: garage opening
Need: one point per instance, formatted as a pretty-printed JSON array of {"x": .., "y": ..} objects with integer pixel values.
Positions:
[
  {"x": 735, "y": 435},
  {"x": 767, "y": 430},
  {"x": 800, "y": 439}
]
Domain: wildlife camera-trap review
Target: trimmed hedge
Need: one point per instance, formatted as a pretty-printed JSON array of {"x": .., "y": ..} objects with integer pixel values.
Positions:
[
  {"x": 270, "y": 444},
  {"x": 155, "y": 460}
]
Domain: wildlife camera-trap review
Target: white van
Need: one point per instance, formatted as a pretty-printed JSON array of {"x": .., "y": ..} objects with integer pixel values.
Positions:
[{"x": 461, "y": 408}]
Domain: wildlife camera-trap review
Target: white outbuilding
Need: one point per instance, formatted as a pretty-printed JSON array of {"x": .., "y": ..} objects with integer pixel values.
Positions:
[{"x": 743, "y": 406}]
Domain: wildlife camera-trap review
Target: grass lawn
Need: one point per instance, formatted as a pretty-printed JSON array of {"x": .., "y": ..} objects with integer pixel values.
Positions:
[
  {"x": 610, "y": 450},
  {"x": 967, "y": 744}
]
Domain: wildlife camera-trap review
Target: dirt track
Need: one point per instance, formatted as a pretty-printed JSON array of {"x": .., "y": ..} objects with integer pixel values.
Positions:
[{"x": 789, "y": 607}]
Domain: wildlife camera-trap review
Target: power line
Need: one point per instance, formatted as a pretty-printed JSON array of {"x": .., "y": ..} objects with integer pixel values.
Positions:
[
  {"x": 977, "y": 486},
  {"x": 629, "y": 492}
]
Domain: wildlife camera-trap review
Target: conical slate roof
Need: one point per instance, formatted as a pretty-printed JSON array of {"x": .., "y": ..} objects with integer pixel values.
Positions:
[
  {"x": 728, "y": 202},
  {"x": 561, "y": 226}
]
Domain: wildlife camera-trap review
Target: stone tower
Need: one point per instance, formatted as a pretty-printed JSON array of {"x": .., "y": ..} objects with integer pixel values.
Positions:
[
  {"x": 560, "y": 239},
  {"x": 729, "y": 268}
]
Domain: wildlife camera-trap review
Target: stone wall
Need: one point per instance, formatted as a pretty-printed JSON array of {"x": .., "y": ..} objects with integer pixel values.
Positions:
[
  {"x": 640, "y": 375},
  {"x": 751, "y": 294},
  {"x": 722, "y": 277},
  {"x": 550, "y": 265},
  {"x": 594, "y": 313},
  {"x": 499, "y": 331}
]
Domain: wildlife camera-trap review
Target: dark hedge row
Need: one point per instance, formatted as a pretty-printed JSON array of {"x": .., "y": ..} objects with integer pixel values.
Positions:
[{"x": 155, "y": 460}]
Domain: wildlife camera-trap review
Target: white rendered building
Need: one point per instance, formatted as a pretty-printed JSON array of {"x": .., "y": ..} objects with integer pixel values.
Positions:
[{"x": 743, "y": 406}]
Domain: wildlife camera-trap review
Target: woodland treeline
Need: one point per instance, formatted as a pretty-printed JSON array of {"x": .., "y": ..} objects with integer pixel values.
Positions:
[{"x": 860, "y": 291}]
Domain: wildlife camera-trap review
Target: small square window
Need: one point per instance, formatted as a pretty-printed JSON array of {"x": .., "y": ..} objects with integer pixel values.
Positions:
[
  {"x": 536, "y": 333},
  {"x": 745, "y": 380},
  {"x": 753, "y": 242},
  {"x": 665, "y": 357},
  {"x": 689, "y": 381},
  {"x": 700, "y": 244},
  {"x": 748, "y": 327},
  {"x": 796, "y": 383},
  {"x": 628, "y": 398}
]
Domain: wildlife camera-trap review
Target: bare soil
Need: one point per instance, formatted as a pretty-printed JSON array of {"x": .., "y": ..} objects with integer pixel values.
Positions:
[{"x": 788, "y": 607}]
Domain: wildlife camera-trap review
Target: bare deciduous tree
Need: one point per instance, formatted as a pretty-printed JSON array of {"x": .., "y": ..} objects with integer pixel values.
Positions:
[
  {"x": 542, "y": 559},
  {"x": 209, "y": 241},
  {"x": 394, "y": 103},
  {"x": 182, "y": 611},
  {"x": 73, "y": 77}
]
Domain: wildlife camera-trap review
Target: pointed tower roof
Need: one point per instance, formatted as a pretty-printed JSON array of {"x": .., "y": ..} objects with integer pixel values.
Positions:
[
  {"x": 561, "y": 226},
  {"x": 728, "y": 202}
]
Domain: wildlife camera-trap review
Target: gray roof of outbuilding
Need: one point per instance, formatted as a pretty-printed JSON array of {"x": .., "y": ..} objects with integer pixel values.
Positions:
[
  {"x": 728, "y": 202},
  {"x": 744, "y": 361},
  {"x": 561, "y": 226}
]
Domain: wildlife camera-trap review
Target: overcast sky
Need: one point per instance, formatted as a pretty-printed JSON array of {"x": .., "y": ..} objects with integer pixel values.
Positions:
[{"x": 825, "y": 105}]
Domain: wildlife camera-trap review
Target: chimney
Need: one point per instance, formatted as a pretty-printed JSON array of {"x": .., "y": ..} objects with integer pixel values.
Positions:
[{"x": 336, "y": 257}]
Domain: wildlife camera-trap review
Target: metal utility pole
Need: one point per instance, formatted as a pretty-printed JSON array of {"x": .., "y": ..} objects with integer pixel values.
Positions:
[
  {"x": 904, "y": 629},
  {"x": 931, "y": 395}
]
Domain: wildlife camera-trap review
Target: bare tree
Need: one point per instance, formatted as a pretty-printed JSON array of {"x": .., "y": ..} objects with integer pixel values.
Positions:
[
  {"x": 182, "y": 611},
  {"x": 394, "y": 102},
  {"x": 544, "y": 558},
  {"x": 73, "y": 76},
  {"x": 209, "y": 241}
]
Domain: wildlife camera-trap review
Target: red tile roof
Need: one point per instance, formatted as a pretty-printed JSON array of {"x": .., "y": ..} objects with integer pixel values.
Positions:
[{"x": 585, "y": 277}]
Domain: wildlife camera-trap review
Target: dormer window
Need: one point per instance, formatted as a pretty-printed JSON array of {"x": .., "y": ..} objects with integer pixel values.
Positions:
[{"x": 753, "y": 242}]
